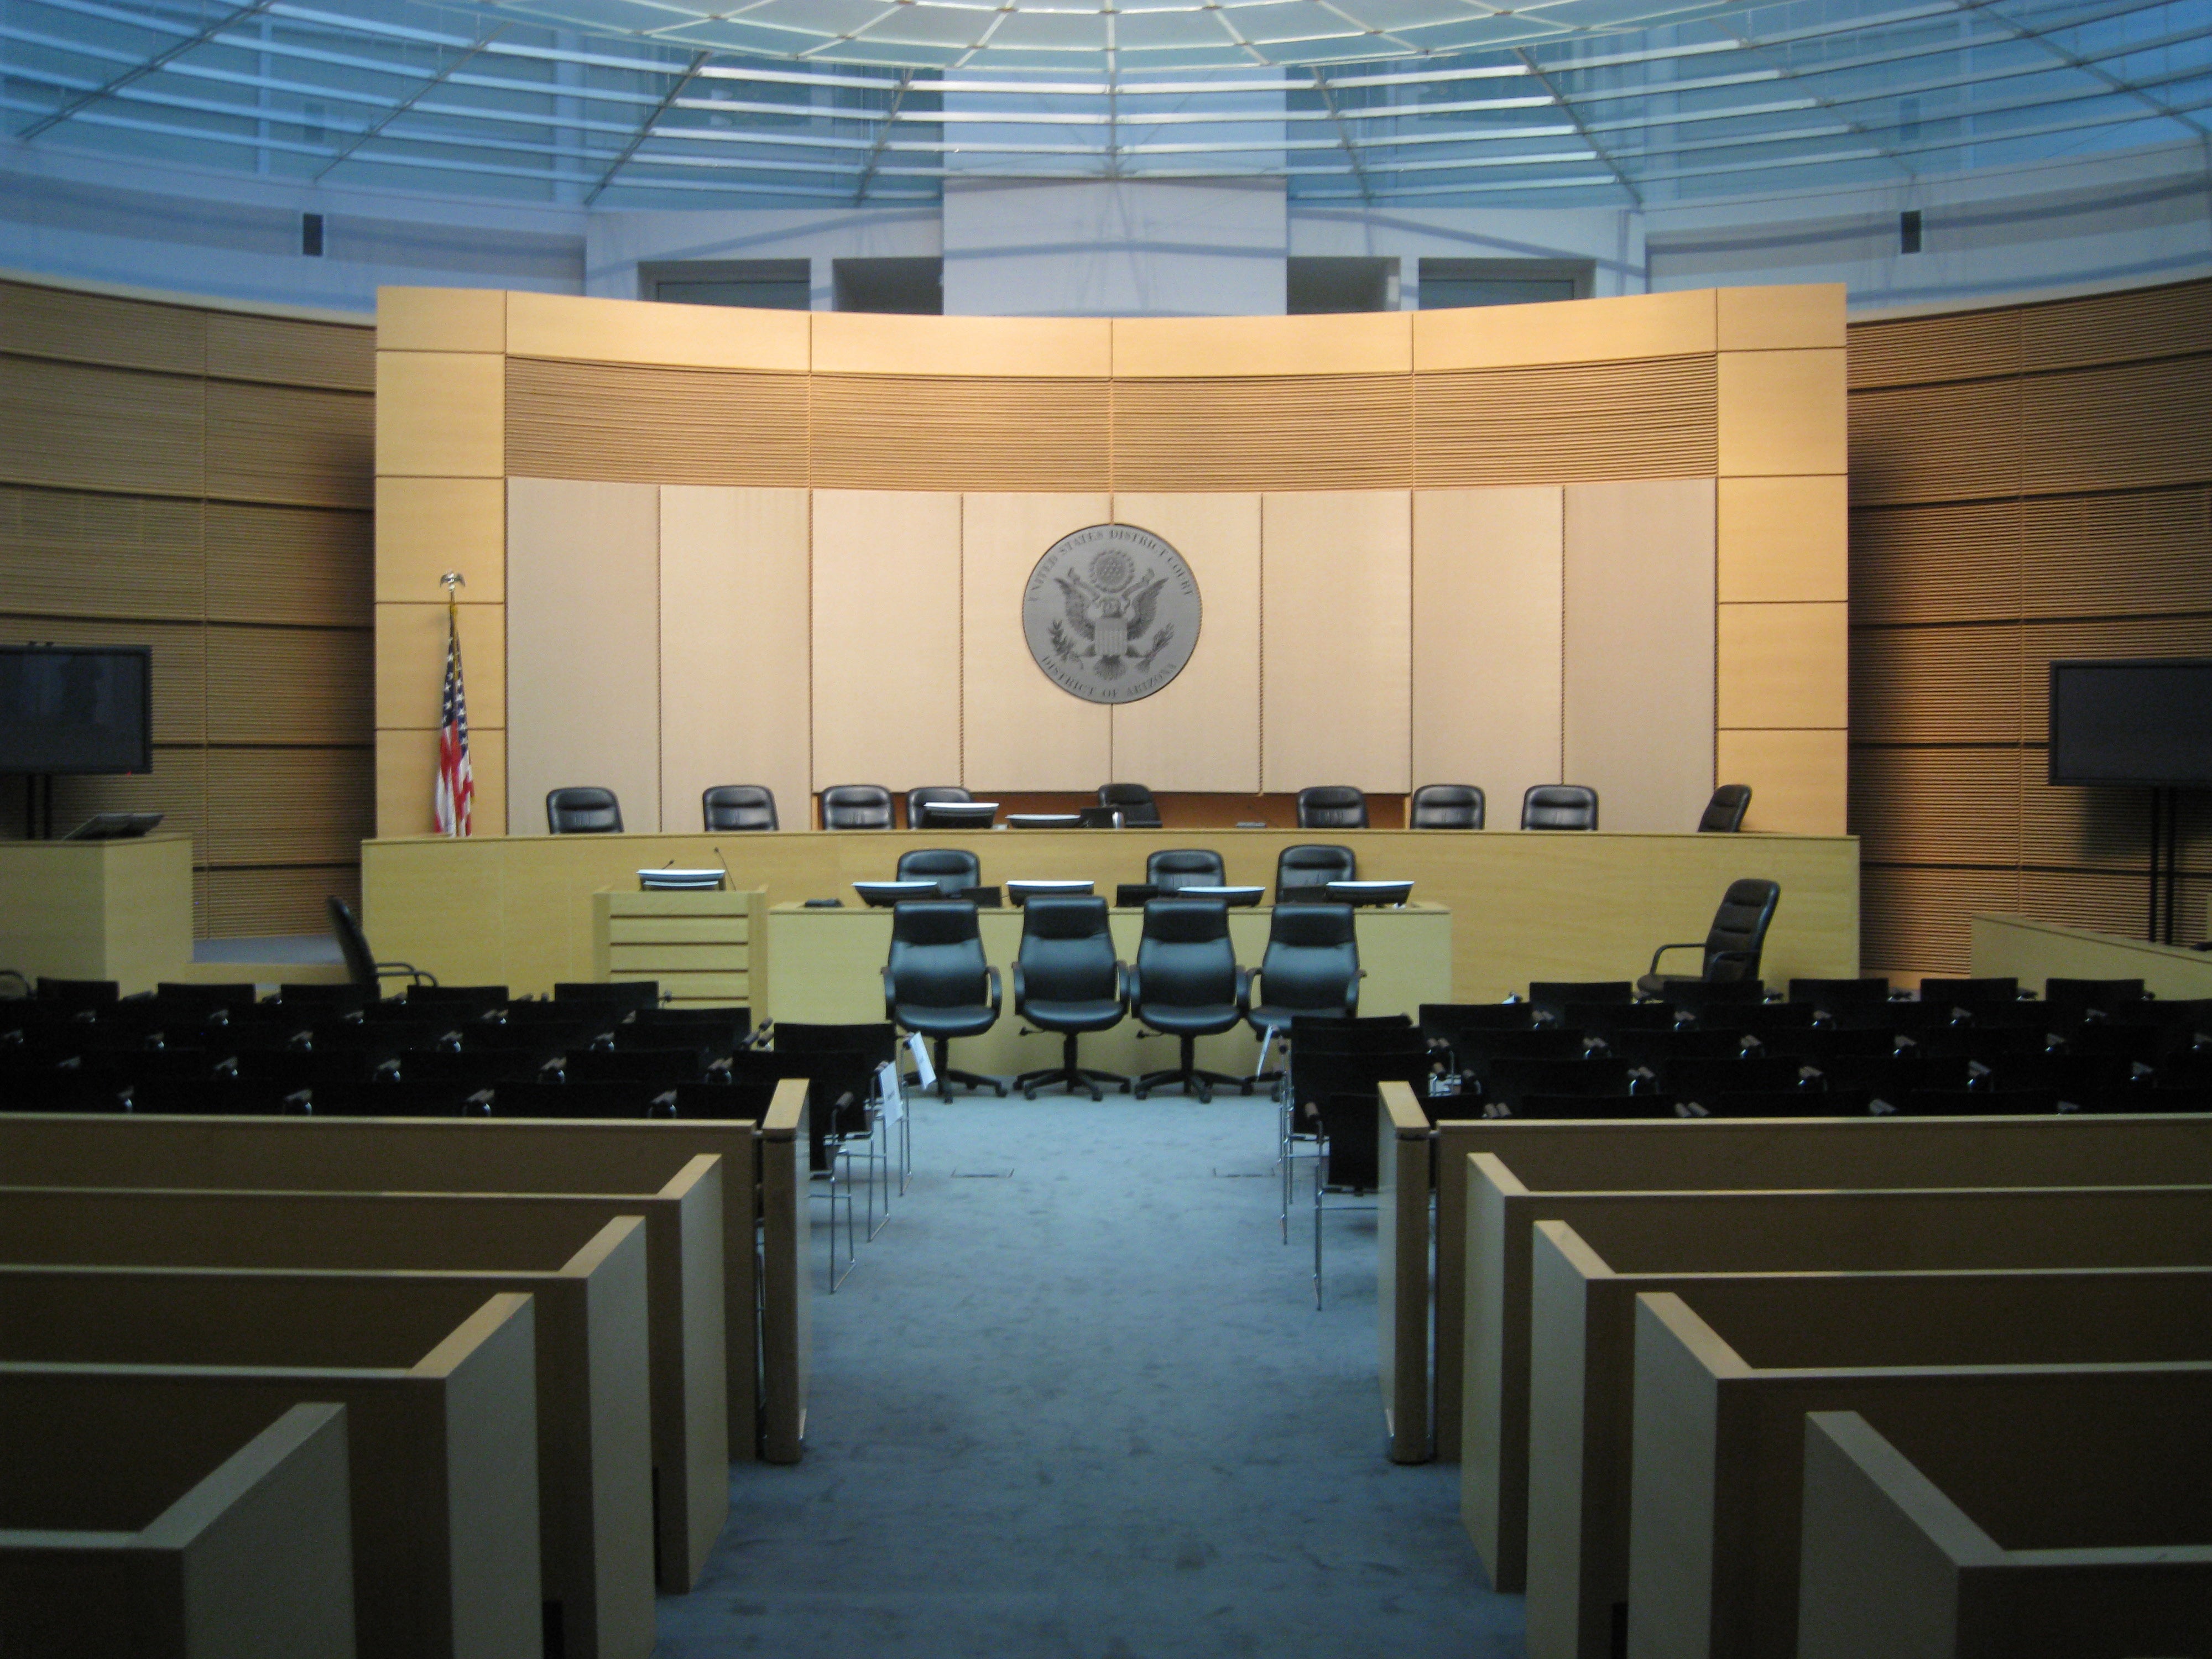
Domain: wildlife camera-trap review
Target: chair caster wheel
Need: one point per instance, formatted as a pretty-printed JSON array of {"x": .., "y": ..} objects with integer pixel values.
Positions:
[
  {"x": 1140, "y": 1093},
  {"x": 1028, "y": 1094}
]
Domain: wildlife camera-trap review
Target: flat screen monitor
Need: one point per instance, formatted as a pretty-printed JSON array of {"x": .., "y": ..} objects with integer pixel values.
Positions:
[
  {"x": 2143, "y": 721},
  {"x": 74, "y": 710}
]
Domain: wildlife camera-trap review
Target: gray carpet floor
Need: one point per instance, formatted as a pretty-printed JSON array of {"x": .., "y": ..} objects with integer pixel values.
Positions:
[{"x": 1076, "y": 1400}]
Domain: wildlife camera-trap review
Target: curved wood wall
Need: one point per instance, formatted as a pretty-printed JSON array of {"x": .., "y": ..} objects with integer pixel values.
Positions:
[
  {"x": 2027, "y": 481},
  {"x": 199, "y": 479},
  {"x": 1603, "y": 539}
]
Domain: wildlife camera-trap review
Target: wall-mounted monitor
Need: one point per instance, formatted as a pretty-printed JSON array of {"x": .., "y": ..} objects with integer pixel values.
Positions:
[
  {"x": 75, "y": 709},
  {"x": 2144, "y": 721}
]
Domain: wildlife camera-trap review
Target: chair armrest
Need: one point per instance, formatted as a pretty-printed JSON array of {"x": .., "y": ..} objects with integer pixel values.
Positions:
[
  {"x": 1132, "y": 989},
  {"x": 1691, "y": 944},
  {"x": 1351, "y": 995},
  {"x": 1243, "y": 991},
  {"x": 992, "y": 974},
  {"x": 890, "y": 1000},
  {"x": 1021, "y": 996},
  {"x": 1124, "y": 976}
]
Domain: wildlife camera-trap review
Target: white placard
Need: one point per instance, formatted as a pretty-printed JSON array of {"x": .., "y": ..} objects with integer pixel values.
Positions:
[
  {"x": 925, "y": 1073},
  {"x": 889, "y": 1092}
]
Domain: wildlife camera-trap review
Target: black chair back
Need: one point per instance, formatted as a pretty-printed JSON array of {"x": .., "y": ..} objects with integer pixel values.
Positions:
[
  {"x": 353, "y": 945},
  {"x": 1552, "y": 996},
  {"x": 1184, "y": 958},
  {"x": 1312, "y": 963},
  {"x": 739, "y": 806},
  {"x": 1446, "y": 806},
  {"x": 1066, "y": 952},
  {"x": 90, "y": 995},
  {"x": 918, "y": 798},
  {"x": 856, "y": 806},
  {"x": 1332, "y": 807},
  {"x": 583, "y": 811},
  {"x": 954, "y": 869},
  {"x": 617, "y": 996},
  {"x": 936, "y": 954},
  {"x": 1738, "y": 934},
  {"x": 1558, "y": 806},
  {"x": 1724, "y": 811},
  {"x": 1134, "y": 801},
  {"x": 1176, "y": 867},
  {"x": 1311, "y": 868}
]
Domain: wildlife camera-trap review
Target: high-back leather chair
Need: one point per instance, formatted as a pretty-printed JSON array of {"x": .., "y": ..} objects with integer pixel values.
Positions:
[
  {"x": 1134, "y": 802},
  {"x": 1558, "y": 806},
  {"x": 954, "y": 869},
  {"x": 918, "y": 798},
  {"x": 1732, "y": 945},
  {"x": 739, "y": 806},
  {"x": 361, "y": 966},
  {"x": 1332, "y": 807},
  {"x": 1445, "y": 806},
  {"x": 1186, "y": 984},
  {"x": 1173, "y": 868},
  {"x": 1312, "y": 970},
  {"x": 1067, "y": 979},
  {"x": 1303, "y": 873},
  {"x": 856, "y": 806},
  {"x": 937, "y": 983},
  {"x": 583, "y": 811},
  {"x": 1724, "y": 811}
]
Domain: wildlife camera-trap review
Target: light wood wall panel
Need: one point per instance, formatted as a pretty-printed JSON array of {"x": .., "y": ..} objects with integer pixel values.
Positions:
[
  {"x": 145, "y": 551},
  {"x": 1179, "y": 348},
  {"x": 294, "y": 805},
  {"x": 886, "y": 638},
  {"x": 1652, "y": 418},
  {"x": 1570, "y": 331},
  {"x": 289, "y": 351},
  {"x": 643, "y": 425},
  {"x": 583, "y": 649},
  {"x": 71, "y": 426},
  {"x": 411, "y": 664},
  {"x": 102, "y": 328},
  {"x": 1023, "y": 348},
  {"x": 1780, "y": 412},
  {"x": 1019, "y": 730},
  {"x": 440, "y": 414},
  {"x": 1201, "y": 731},
  {"x": 1782, "y": 664},
  {"x": 1781, "y": 540},
  {"x": 1639, "y": 650},
  {"x": 270, "y": 443},
  {"x": 290, "y": 685},
  {"x": 441, "y": 319},
  {"x": 668, "y": 336},
  {"x": 1780, "y": 317},
  {"x": 1283, "y": 432},
  {"x": 1798, "y": 779},
  {"x": 1336, "y": 640},
  {"x": 1488, "y": 591},
  {"x": 406, "y": 776},
  {"x": 307, "y": 567},
  {"x": 427, "y": 526},
  {"x": 735, "y": 679},
  {"x": 952, "y": 432}
]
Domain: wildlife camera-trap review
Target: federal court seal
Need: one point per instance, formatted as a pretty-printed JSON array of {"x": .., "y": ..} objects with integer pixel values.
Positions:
[{"x": 1111, "y": 613}]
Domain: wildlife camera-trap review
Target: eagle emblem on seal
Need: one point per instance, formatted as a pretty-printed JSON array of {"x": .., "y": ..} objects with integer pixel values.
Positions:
[{"x": 1110, "y": 615}]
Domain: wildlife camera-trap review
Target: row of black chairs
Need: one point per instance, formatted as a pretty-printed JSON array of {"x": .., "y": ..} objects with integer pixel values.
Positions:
[{"x": 1303, "y": 873}]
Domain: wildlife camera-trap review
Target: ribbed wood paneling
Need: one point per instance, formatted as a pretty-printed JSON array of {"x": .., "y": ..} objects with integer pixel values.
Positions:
[
  {"x": 85, "y": 427},
  {"x": 177, "y": 788},
  {"x": 65, "y": 553},
  {"x": 96, "y": 328},
  {"x": 1264, "y": 432},
  {"x": 1652, "y": 418},
  {"x": 2031, "y": 483},
  {"x": 273, "y": 898},
  {"x": 180, "y": 663},
  {"x": 290, "y": 685},
  {"x": 307, "y": 566},
  {"x": 288, "y": 805},
  {"x": 288, "y": 352},
  {"x": 629, "y": 424},
  {"x": 270, "y": 443},
  {"x": 943, "y": 432}
]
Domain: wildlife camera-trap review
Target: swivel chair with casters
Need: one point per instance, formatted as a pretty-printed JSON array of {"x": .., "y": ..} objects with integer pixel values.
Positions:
[
  {"x": 1310, "y": 971},
  {"x": 918, "y": 798},
  {"x": 856, "y": 806},
  {"x": 1303, "y": 873},
  {"x": 739, "y": 806},
  {"x": 361, "y": 966},
  {"x": 1134, "y": 802},
  {"x": 583, "y": 811},
  {"x": 1731, "y": 947},
  {"x": 1175, "y": 867},
  {"x": 1558, "y": 806},
  {"x": 937, "y": 983},
  {"x": 1186, "y": 984},
  {"x": 1332, "y": 807},
  {"x": 1445, "y": 806},
  {"x": 1067, "y": 980},
  {"x": 1724, "y": 811},
  {"x": 954, "y": 869}
]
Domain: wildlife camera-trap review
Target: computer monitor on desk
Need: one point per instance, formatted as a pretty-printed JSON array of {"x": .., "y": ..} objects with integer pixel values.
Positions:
[{"x": 957, "y": 814}]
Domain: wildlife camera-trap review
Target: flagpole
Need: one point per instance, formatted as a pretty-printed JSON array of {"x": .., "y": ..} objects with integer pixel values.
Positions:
[{"x": 454, "y": 785}]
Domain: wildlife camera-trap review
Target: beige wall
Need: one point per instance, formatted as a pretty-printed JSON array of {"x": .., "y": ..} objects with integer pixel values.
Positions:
[{"x": 1597, "y": 541}]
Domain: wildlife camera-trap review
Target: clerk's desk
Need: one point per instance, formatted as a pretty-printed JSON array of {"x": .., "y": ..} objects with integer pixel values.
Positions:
[{"x": 516, "y": 910}]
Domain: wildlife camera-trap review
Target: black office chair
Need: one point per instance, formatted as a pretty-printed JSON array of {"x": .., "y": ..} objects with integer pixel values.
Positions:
[
  {"x": 937, "y": 983},
  {"x": 954, "y": 869},
  {"x": 856, "y": 806},
  {"x": 918, "y": 798},
  {"x": 1310, "y": 970},
  {"x": 1303, "y": 873},
  {"x": 1175, "y": 868},
  {"x": 1558, "y": 806},
  {"x": 1332, "y": 807},
  {"x": 1067, "y": 979},
  {"x": 1446, "y": 806},
  {"x": 739, "y": 806},
  {"x": 583, "y": 811},
  {"x": 1186, "y": 984},
  {"x": 1134, "y": 802},
  {"x": 1724, "y": 811},
  {"x": 361, "y": 966},
  {"x": 1731, "y": 947}
]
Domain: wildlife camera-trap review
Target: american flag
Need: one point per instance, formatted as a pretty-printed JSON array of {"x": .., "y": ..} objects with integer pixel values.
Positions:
[{"x": 456, "y": 782}]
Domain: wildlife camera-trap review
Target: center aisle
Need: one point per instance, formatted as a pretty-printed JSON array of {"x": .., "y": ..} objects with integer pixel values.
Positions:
[{"x": 1087, "y": 1409}]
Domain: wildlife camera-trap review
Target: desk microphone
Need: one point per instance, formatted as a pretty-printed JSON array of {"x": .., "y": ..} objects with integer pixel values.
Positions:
[{"x": 729, "y": 880}]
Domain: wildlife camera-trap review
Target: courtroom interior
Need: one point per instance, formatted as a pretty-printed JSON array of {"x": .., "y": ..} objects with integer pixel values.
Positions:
[{"x": 867, "y": 826}]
